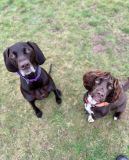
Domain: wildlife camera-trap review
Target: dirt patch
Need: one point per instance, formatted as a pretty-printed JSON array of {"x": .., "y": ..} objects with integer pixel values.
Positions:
[
  {"x": 97, "y": 38},
  {"x": 57, "y": 29},
  {"x": 99, "y": 48},
  {"x": 84, "y": 27},
  {"x": 118, "y": 52},
  {"x": 118, "y": 44},
  {"x": 46, "y": 145},
  {"x": 124, "y": 39},
  {"x": 98, "y": 44},
  {"x": 121, "y": 46},
  {"x": 64, "y": 133}
]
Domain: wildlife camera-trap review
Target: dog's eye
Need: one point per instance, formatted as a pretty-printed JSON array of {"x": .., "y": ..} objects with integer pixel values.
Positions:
[
  {"x": 26, "y": 51},
  {"x": 110, "y": 86},
  {"x": 97, "y": 81},
  {"x": 12, "y": 55}
]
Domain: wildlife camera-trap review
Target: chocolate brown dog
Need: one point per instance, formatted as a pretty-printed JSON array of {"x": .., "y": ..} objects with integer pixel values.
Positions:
[
  {"x": 25, "y": 58},
  {"x": 104, "y": 93}
]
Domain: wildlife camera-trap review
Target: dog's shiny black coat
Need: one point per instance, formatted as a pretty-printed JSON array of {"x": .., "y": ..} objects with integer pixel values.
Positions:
[{"x": 25, "y": 57}]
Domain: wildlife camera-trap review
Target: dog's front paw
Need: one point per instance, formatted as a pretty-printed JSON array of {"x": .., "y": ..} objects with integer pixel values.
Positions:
[
  {"x": 39, "y": 114},
  {"x": 90, "y": 119},
  {"x": 59, "y": 101},
  {"x": 115, "y": 118}
]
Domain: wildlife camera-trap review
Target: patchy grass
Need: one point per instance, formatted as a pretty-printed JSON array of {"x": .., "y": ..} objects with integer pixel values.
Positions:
[
  {"x": 125, "y": 30},
  {"x": 75, "y": 36}
]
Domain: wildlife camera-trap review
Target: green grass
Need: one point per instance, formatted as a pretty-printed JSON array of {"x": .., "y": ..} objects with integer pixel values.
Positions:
[
  {"x": 75, "y": 36},
  {"x": 126, "y": 30}
]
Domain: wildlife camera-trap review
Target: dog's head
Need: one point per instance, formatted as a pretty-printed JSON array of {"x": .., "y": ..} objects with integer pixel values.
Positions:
[
  {"x": 23, "y": 57},
  {"x": 102, "y": 86}
]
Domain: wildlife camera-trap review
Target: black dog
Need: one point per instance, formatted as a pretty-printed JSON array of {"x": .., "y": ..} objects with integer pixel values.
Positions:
[{"x": 36, "y": 84}]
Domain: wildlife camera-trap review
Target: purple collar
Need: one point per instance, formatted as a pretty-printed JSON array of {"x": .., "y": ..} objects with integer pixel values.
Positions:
[{"x": 31, "y": 80}]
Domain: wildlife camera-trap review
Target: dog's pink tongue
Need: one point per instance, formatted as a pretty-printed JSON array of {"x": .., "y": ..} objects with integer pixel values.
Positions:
[{"x": 96, "y": 99}]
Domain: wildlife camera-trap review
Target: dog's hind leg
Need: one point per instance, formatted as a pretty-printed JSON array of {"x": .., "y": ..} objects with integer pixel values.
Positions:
[
  {"x": 119, "y": 111},
  {"x": 37, "y": 111},
  {"x": 117, "y": 115}
]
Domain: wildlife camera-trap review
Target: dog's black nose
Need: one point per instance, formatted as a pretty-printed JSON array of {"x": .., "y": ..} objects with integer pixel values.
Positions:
[
  {"x": 100, "y": 94},
  {"x": 25, "y": 66},
  {"x": 23, "y": 63}
]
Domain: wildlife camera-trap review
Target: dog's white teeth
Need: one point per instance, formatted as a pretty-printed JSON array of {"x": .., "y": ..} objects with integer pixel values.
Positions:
[
  {"x": 115, "y": 118},
  {"x": 90, "y": 119}
]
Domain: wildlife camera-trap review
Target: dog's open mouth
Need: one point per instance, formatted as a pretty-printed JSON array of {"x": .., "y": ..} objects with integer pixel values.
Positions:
[{"x": 96, "y": 99}]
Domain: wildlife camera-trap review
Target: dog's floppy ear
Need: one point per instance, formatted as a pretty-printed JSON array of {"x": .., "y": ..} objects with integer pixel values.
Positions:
[
  {"x": 10, "y": 67},
  {"x": 116, "y": 92},
  {"x": 88, "y": 79},
  {"x": 40, "y": 59}
]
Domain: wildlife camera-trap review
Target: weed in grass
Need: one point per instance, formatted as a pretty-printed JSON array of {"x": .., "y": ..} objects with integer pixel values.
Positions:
[
  {"x": 126, "y": 30},
  {"x": 93, "y": 22},
  {"x": 116, "y": 9},
  {"x": 86, "y": 13}
]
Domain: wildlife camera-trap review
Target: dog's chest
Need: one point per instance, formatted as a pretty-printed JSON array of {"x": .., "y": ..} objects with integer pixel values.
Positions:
[
  {"x": 41, "y": 93},
  {"x": 88, "y": 105},
  {"x": 88, "y": 108}
]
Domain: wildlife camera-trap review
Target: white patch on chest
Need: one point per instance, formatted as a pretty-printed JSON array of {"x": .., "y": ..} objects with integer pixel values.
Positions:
[{"x": 88, "y": 106}]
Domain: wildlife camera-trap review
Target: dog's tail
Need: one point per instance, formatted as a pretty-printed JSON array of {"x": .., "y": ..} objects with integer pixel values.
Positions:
[
  {"x": 50, "y": 70},
  {"x": 126, "y": 85}
]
